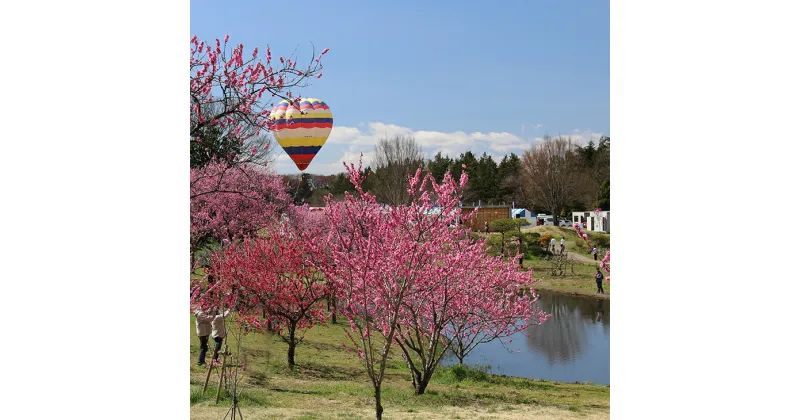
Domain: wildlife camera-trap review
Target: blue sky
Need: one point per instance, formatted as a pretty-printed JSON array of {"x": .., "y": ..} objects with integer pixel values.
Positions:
[{"x": 458, "y": 75}]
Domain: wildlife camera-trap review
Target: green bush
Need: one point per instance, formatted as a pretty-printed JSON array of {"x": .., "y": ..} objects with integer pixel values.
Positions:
[
  {"x": 458, "y": 373},
  {"x": 600, "y": 240},
  {"x": 531, "y": 246}
]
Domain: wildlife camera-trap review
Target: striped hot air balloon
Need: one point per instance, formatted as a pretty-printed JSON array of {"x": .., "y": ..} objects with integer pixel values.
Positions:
[{"x": 302, "y": 128}]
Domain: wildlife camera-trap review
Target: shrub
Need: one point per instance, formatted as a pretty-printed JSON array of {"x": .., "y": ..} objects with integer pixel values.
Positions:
[
  {"x": 458, "y": 373},
  {"x": 531, "y": 245},
  {"x": 600, "y": 240},
  {"x": 544, "y": 241}
]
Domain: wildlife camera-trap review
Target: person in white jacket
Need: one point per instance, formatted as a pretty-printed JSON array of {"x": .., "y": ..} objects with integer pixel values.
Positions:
[
  {"x": 218, "y": 332},
  {"x": 202, "y": 323}
]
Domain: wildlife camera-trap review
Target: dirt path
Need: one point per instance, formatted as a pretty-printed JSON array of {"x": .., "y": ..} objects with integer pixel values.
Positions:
[
  {"x": 583, "y": 258},
  {"x": 511, "y": 411}
]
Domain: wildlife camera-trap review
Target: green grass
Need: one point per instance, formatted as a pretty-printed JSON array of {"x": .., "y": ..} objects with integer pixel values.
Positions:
[
  {"x": 330, "y": 382},
  {"x": 581, "y": 282}
]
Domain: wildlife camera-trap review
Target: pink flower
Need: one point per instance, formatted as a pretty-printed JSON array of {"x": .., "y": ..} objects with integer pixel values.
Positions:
[{"x": 226, "y": 37}]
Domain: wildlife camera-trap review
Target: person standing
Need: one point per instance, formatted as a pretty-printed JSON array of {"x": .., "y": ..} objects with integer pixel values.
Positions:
[
  {"x": 218, "y": 332},
  {"x": 599, "y": 279},
  {"x": 202, "y": 323},
  {"x": 553, "y": 244},
  {"x": 486, "y": 227},
  {"x": 563, "y": 244},
  {"x": 594, "y": 252}
]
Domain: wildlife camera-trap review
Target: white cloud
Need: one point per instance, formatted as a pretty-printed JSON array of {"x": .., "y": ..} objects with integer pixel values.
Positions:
[
  {"x": 578, "y": 136},
  {"x": 347, "y": 143}
]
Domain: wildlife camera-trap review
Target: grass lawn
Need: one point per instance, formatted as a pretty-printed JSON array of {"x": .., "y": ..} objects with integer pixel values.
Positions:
[
  {"x": 330, "y": 383},
  {"x": 581, "y": 282}
]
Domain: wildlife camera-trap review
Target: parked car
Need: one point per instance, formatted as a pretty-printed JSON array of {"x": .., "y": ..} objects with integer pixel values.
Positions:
[{"x": 564, "y": 222}]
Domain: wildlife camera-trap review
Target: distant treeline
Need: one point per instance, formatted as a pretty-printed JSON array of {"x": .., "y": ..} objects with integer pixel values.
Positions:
[{"x": 555, "y": 175}]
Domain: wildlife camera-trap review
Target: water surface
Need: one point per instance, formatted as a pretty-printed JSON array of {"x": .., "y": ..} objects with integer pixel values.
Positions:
[{"x": 573, "y": 345}]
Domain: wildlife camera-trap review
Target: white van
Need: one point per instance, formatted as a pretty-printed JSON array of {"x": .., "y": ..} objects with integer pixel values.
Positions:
[{"x": 547, "y": 220}]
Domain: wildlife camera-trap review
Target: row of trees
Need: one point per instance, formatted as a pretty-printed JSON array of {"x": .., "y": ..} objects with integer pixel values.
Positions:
[
  {"x": 555, "y": 176},
  {"x": 401, "y": 277}
]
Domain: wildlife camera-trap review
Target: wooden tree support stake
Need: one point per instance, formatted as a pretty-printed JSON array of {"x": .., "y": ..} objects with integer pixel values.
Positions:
[{"x": 221, "y": 373}]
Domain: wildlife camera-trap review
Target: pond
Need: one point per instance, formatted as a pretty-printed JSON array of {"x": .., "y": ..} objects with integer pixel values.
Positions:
[{"x": 572, "y": 346}]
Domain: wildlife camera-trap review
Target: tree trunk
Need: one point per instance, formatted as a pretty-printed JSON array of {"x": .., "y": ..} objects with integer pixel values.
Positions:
[
  {"x": 292, "y": 345},
  {"x": 421, "y": 384},
  {"x": 333, "y": 313},
  {"x": 378, "y": 406},
  {"x": 416, "y": 380}
]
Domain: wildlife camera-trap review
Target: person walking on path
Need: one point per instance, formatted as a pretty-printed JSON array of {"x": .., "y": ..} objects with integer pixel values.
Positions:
[
  {"x": 563, "y": 244},
  {"x": 553, "y": 244},
  {"x": 594, "y": 252},
  {"x": 486, "y": 227},
  {"x": 202, "y": 323},
  {"x": 218, "y": 332},
  {"x": 599, "y": 278}
]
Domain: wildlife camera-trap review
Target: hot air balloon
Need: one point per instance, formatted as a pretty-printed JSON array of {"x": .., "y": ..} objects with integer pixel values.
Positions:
[{"x": 301, "y": 128}]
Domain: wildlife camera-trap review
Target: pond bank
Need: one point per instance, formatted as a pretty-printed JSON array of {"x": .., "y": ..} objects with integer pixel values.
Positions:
[
  {"x": 572, "y": 286},
  {"x": 330, "y": 382}
]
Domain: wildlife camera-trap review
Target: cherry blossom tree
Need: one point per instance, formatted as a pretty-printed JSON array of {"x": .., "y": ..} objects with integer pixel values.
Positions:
[
  {"x": 227, "y": 204},
  {"x": 372, "y": 268},
  {"x": 387, "y": 266},
  {"x": 234, "y": 92},
  {"x": 304, "y": 220},
  {"x": 467, "y": 299},
  {"x": 498, "y": 304},
  {"x": 270, "y": 281}
]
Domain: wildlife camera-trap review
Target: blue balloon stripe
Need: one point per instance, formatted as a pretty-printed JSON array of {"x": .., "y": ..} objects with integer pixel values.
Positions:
[
  {"x": 302, "y": 150},
  {"x": 304, "y": 120}
]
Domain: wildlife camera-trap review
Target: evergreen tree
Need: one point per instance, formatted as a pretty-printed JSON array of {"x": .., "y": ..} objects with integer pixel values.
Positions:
[
  {"x": 439, "y": 166},
  {"x": 471, "y": 192},
  {"x": 486, "y": 179},
  {"x": 340, "y": 184}
]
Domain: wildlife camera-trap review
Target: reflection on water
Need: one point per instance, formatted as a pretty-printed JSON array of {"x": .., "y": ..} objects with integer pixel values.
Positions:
[{"x": 573, "y": 345}]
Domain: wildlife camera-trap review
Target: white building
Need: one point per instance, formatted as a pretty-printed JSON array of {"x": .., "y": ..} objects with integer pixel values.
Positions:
[
  {"x": 524, "y": 214},
  {"x": 593, "y": 221}
]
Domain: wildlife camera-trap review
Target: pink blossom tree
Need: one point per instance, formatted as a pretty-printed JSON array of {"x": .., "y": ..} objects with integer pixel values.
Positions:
[
  {"x": 227, "y": 204},
  {"x": 373, "y": 269},
  {"x": 462, "y": 284},
  {"x": 304, "y": 220},
  {"x": 498, "y": 304},
  {"x": 270, "y": 281},
  {"x": 233, "y": 91},
  {"x": 390, "y": 268}
]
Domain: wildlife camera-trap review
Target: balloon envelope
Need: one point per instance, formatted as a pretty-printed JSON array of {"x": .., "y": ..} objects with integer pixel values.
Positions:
[{"x": 301, "y": 128}]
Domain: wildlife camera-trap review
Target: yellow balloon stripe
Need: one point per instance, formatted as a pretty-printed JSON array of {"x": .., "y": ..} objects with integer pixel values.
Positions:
[
  {"x": 312, "y": 141},
  {"x": 298, "y": 116}
]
